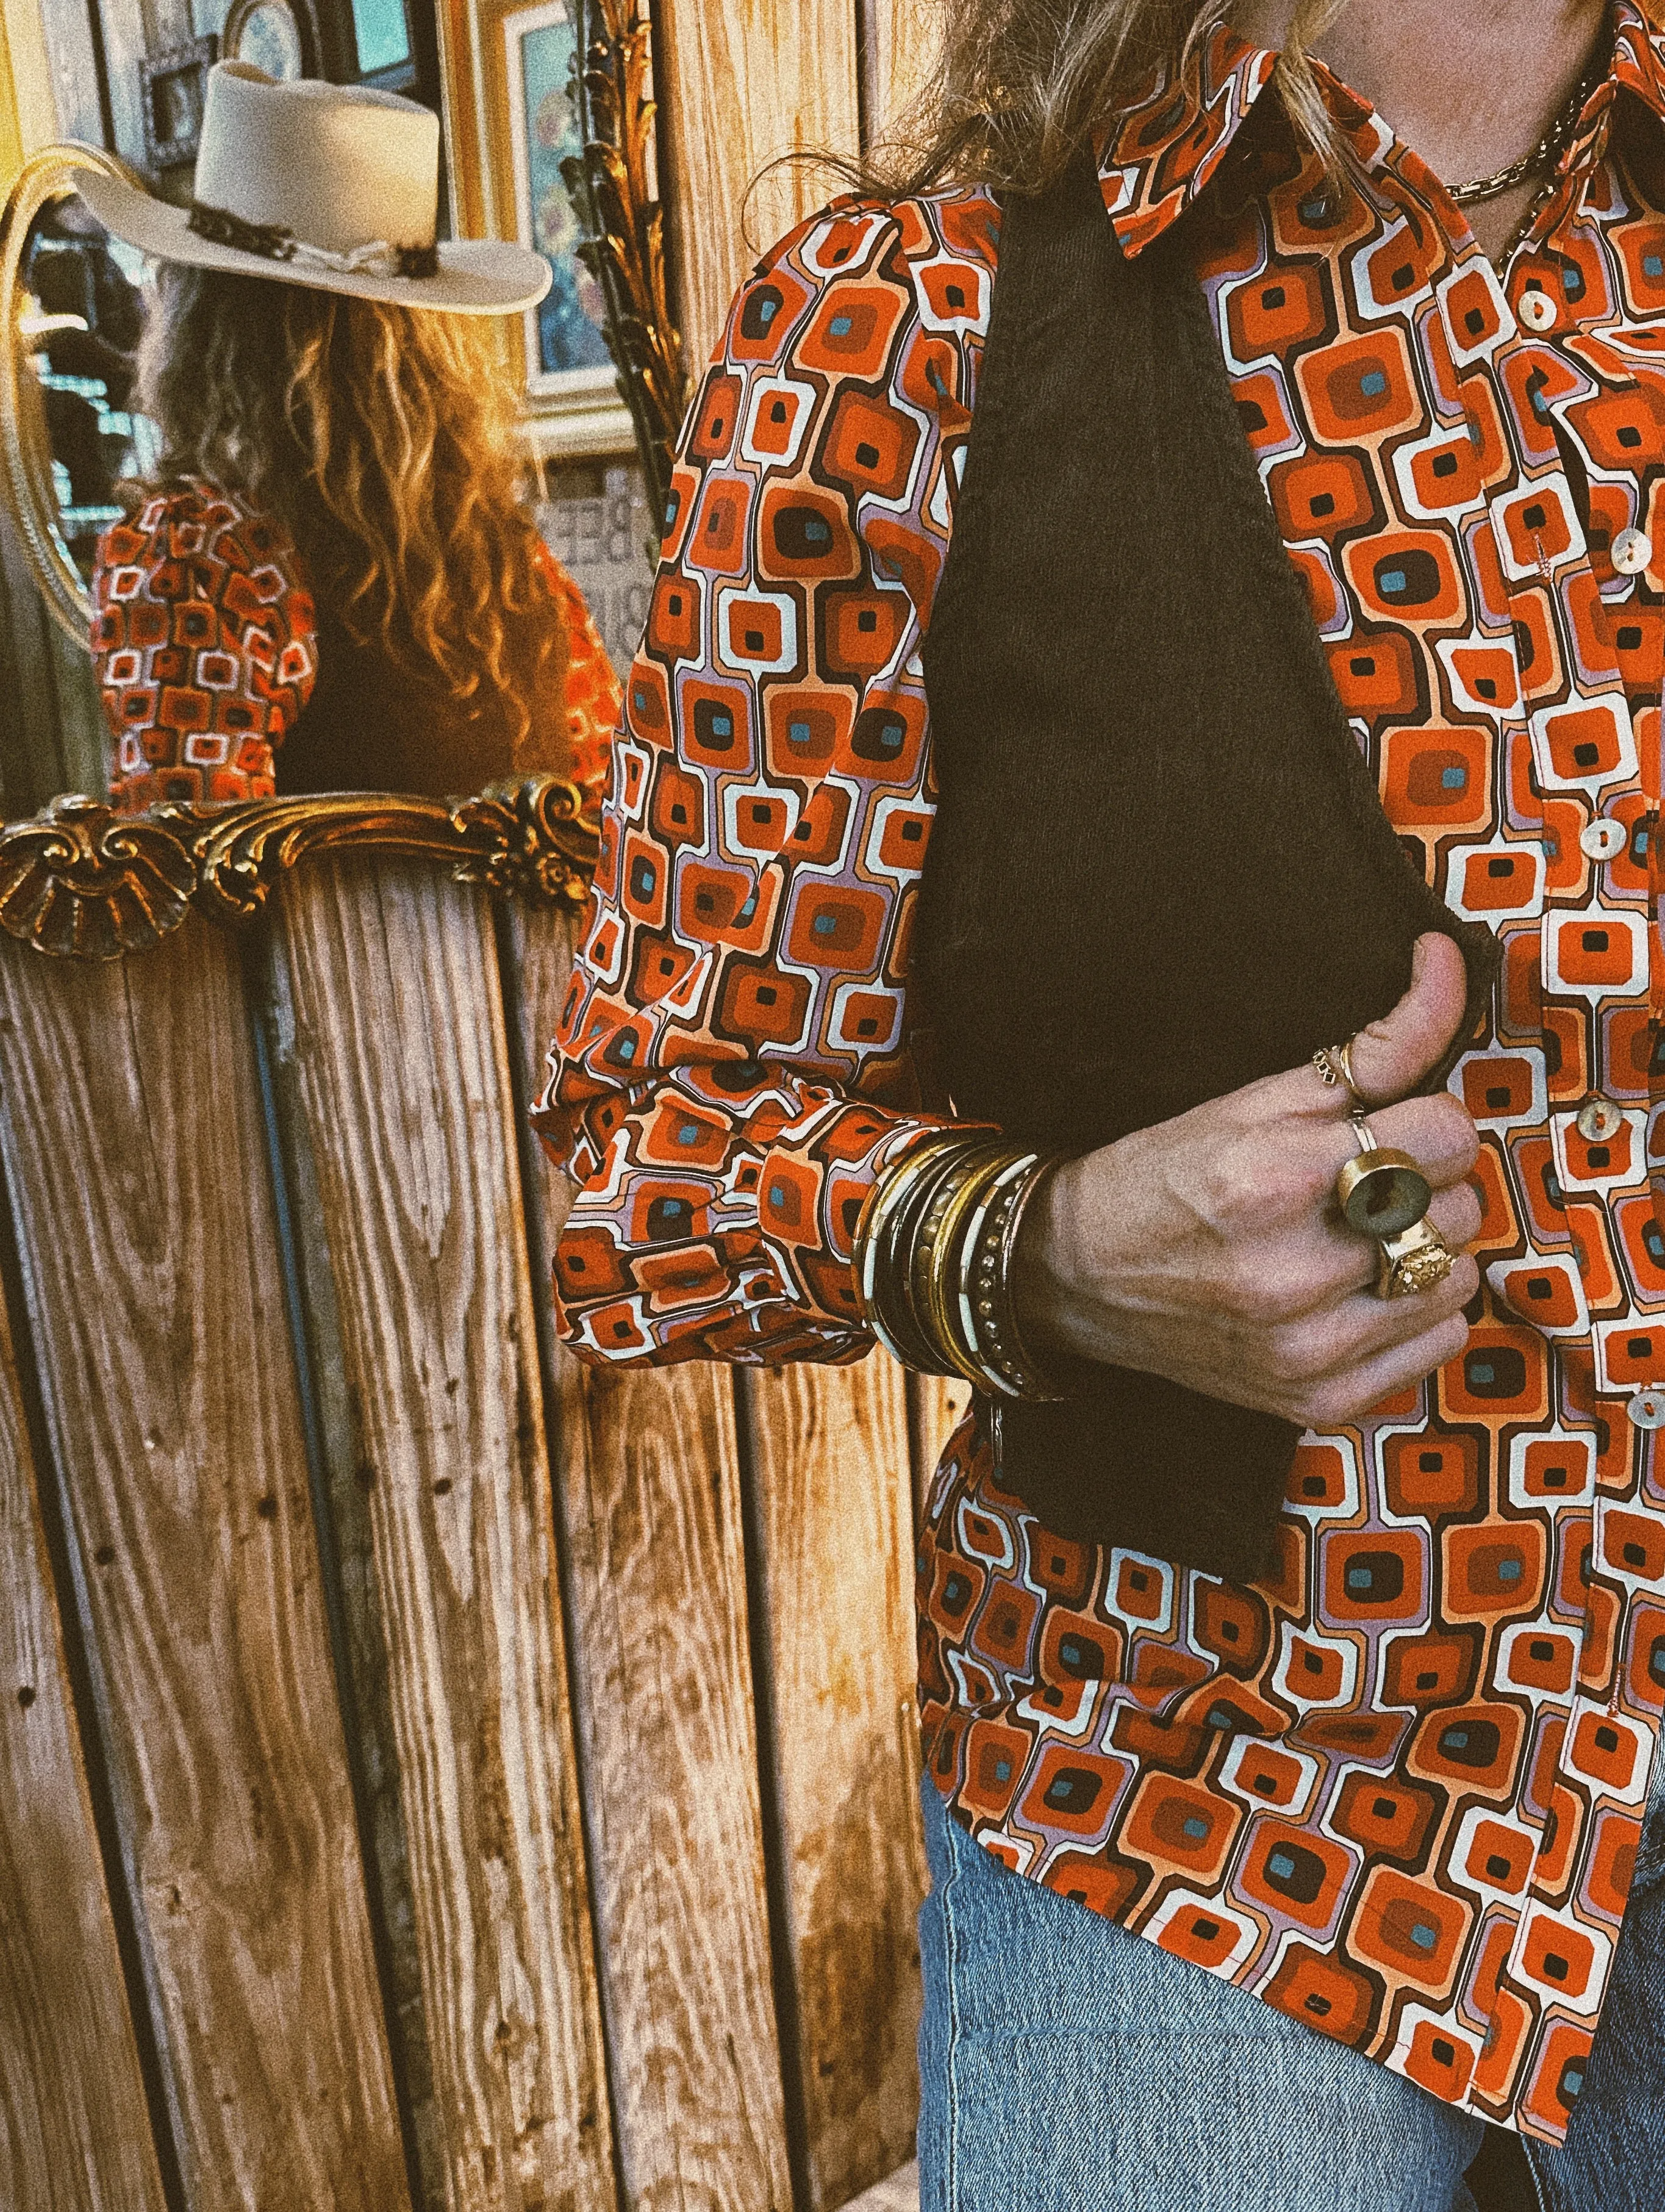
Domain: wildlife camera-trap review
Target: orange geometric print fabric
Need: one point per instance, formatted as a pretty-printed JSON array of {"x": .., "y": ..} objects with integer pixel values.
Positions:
[
  {"x": 205, "y": 643},
  {"x": 203, "y": 640},
  {"x": 1395, "y": 1789}
]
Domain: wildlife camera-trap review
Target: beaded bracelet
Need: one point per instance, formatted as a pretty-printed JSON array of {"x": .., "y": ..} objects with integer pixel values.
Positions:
[
  {"x": 979, "y": 1290},
  {"x": 932, "y": 1258},
  {"x": 994, "y": 1263}
]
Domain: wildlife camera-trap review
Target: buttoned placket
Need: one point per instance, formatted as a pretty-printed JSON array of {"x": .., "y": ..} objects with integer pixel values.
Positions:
[{"x": 1597, "y": 1690}]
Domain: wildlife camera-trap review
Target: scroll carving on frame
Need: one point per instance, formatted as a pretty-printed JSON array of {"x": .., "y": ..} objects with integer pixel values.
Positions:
[
  {"x": 622, "y": 221},
  {"x": 85, "y": 883}
]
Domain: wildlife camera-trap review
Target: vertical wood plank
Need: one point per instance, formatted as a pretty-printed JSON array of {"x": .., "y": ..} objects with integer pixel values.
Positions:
[
  {"x": 75, "y": 2135},
  {"x": 648, "y": 1478},
  {"x": 83, "y": 735},
  {"x": 830, "y": 1459},
  {"x": 899, "y": 50},
  {"x": 133, "y": 1152},
  {"x": 31, "y": 756},
  {"x": 739, "y": 82},
  {"x": 401, "y": 1064}
]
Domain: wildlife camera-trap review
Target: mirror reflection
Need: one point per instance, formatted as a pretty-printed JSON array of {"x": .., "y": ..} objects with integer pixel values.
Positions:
[
  {"x": 78, "y": 329},
  {"x": 277, "y": 469}
]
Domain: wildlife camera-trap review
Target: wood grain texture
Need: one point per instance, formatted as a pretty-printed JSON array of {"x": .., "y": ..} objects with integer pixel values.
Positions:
[
  {"x": 133, "y": 1152},
  {"x": 740, "y": 82},
  {"x": 899, "y": 50},
  {"x": 646, "y": 1476},
  {"x": 830, "y": 1459},
  {"x": 53, "y": 736},
  {"x": 75, "y": 2134},
  {"x": 402, "y": 1064}
]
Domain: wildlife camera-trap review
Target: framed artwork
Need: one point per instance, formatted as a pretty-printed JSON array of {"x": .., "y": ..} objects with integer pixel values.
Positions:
[
  {"x": 506, "y": 69},
  {"x": 174, "y": 87},
  {"x": 564, "y": 333}
]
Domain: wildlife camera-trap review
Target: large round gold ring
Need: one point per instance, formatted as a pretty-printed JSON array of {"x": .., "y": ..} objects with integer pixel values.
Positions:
[
  {"x": 1382, "y": 1193},
  {"x": 1415, "y": 1261}
]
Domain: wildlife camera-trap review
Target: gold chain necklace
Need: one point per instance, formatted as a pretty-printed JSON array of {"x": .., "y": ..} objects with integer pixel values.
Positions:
[{"x": 1545, "y": 156}]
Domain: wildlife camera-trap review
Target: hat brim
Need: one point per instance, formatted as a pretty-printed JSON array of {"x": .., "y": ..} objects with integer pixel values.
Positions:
[{"x": 476, "y": 276}]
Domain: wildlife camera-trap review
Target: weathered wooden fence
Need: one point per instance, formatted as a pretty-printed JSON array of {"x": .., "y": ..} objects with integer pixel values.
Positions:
[{"x": 431, "y": 1774}]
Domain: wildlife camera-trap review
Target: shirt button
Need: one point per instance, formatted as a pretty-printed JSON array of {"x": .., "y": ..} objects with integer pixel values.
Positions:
[
  {"x": 1598, "y": 1120},
  {"x": 1632, "y": 551},
  {"x": 1603, "y": 839},
  {"x": 1647, "y": 1409},
  {"x": 1537, "y": 311}
]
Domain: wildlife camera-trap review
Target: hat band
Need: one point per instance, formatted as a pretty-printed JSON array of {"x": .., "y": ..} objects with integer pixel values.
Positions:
[{"x": 274, "y": 243}]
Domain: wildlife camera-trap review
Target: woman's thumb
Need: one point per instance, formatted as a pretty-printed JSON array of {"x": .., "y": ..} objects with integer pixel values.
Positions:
[{"x": 1391, "y": 1057}]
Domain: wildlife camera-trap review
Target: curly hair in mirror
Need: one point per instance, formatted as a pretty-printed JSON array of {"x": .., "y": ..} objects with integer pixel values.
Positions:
[{"x": 382, "y": 437}]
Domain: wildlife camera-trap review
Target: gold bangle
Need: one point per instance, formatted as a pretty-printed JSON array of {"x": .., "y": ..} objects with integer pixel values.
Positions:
[
  {"x": 940, "y": 1254},
  {"x": 929, "y": 1308},
  {"x": 979, "y": 1319},
  {"x": 989, "y": 1278},
  {"x": 885, "y": 1213},
  {"x": 1036, "y": 1383},
  {"x": 896, "y": 1291},
  {"x": 882, "y": 1190}
]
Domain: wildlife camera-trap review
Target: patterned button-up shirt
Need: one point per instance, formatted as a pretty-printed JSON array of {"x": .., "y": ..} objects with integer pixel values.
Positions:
[
  {"x": 205, "y": 646},
  {"x": 1395, "y": 1788}
]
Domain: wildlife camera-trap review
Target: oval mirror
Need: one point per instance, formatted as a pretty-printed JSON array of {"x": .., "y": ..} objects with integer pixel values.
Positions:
[{"x": 70, "y": 313}]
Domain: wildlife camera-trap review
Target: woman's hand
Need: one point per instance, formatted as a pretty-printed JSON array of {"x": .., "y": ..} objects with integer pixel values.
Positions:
[{"x": 1210, "y": 1248}]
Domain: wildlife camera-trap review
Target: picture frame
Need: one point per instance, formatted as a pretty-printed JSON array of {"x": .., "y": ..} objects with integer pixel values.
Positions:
[
  {"x": 506, "y": 66},
  {"x": 172, "y": 89}
]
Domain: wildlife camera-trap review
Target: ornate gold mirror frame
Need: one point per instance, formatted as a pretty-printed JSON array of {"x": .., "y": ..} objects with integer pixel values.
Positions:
[
  {"x": 84, "y": 882},
  {"x": 26, "y": 459},
  {"x": 624, "y": 224}
]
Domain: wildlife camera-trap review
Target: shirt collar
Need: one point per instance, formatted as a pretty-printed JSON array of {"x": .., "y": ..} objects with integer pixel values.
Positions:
[{"x": 1162, "y": 154}]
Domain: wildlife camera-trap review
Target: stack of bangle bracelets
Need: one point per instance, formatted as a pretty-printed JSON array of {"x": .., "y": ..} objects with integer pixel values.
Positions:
[{"x": 933, "y": 1257}]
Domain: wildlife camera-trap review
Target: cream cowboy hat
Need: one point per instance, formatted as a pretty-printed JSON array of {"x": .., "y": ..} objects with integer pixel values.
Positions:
[{"x": 333, "y": 186}]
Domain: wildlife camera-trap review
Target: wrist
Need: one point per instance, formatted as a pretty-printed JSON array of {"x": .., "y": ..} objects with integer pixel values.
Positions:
[{"x": 1046, "y": 1281}]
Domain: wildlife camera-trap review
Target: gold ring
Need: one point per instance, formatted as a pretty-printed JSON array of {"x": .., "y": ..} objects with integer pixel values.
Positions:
[
  {"x": 1416, "y": 1260},
  {"x": 1382, "y": 1193},
  {"x": 1335, "y": 1064}
]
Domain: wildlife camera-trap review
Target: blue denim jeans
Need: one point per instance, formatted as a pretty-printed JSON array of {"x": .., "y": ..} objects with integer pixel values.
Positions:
[{"x": 1067, "y": 2066}]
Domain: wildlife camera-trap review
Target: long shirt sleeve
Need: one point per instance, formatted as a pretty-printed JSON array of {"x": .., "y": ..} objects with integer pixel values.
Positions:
[
  {"x": 733, "y": 1065},
  {"x": 205, "y": 647}
]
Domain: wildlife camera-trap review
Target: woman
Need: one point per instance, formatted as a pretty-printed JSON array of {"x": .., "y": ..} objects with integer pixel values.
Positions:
[
  {"x": 335, "y": 583},
  {"x": 1164, "y": 590}
]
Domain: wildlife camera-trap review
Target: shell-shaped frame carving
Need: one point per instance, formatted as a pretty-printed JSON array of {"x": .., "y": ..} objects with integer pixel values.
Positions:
[{"x": 82, "y": 882}]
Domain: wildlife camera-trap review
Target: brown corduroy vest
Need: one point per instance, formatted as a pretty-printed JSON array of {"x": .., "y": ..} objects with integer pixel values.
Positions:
[{"x": 1160, "y": 869}]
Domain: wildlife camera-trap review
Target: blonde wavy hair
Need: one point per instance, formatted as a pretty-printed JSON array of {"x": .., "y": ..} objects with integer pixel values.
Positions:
[
  {"x": 382, "y": 437},
  {"x": 1021, "y": 85}
]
